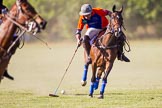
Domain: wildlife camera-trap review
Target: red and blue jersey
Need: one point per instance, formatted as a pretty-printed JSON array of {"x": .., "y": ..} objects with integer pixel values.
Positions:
[
  {"x": 98, "y": 19},
  {"x": 2, "y": 7}
]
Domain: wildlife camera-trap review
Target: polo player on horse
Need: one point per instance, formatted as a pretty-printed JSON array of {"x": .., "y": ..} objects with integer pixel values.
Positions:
[{"x": 95, "y": 20}]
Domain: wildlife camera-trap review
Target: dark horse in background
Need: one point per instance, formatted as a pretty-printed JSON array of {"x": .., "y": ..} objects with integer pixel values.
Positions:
[
  {"x": 104, "y": 52},
  {"x": 19, "y": 16}
]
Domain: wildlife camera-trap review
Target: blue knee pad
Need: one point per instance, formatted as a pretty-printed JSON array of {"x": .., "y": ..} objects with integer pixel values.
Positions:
[{"x": 84, "y": 78}]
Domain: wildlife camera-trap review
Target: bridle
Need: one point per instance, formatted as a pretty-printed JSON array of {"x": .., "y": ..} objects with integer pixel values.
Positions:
[
  {"x": 116, "y": 23},
  {"x": 114, "y": 27},
  {"x": 27, "y": 27}
]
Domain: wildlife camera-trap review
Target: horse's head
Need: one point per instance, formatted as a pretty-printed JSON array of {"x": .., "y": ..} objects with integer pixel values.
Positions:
[
  {"x": 116, "y": 21},
  {"x": 25, "y": 13},
  {"x": 114, "y": 28}
]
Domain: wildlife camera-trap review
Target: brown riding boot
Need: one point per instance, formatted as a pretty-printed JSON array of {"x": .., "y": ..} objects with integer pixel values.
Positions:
[
  {"x": 87, "y": 48},
  {"x": 121, "y": 55}
]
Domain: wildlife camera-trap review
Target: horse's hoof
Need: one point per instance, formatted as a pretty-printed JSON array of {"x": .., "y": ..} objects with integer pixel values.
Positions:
[
  {"x": 83, "y": 83},
  {"x": 100, "y": 97},
  {"x": 90, "y": 95}
]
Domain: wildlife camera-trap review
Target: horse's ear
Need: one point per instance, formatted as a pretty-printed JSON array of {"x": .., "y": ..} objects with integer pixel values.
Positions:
[
  {"x": 21, "y": 0},
  {"x": 114, "y": 8},
  {"x": 18, "y": 1},
  {"x": 121, "y": 9}
]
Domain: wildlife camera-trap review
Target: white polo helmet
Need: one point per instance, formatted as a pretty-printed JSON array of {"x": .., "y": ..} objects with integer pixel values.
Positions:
[{"x": 85, "y": 9}]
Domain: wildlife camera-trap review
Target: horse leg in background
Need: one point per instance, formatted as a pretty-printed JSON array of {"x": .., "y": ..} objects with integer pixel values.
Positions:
[
  {"x": 93, "y": 79},
  {"x": 3, "y": 65},
  {"x": 109, "y": 65},
  {"x": 13, "y": 50},
  {"x": 6, "y": 74}
]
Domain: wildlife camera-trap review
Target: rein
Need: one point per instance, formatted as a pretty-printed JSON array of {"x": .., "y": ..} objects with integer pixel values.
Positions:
[
  {"x": 16, "y": 23},
  {"x": 127, "y": 43},
  {"x": 101, "y": 46},
  {"x": 13, "y": 43}
]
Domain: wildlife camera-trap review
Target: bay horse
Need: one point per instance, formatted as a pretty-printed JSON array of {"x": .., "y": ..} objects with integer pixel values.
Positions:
[
  {"x": 16, "y": 18},
  {"x": 104, "y": 52}
]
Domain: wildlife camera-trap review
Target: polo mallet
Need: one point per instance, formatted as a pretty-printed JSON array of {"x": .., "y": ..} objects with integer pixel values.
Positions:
[
  {"x": 41, "y": 40},
  {"x": 54, "y": 95}
]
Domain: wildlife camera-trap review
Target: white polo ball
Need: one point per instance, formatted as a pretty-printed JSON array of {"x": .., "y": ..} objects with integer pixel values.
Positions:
[{"x": 62, "y": 91}]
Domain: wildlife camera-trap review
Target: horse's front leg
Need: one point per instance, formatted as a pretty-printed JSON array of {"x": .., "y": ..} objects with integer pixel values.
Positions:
[
  {"x": 86, "y": 65},
  {"x": 93, "y": 79},
  {"x": 109, "y": 66},
  {"x": 84, "y": 77},
  {"x": 99, "y": 73}
]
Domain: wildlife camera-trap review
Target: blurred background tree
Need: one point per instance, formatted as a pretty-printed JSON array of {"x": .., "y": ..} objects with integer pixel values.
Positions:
[{"x": 142, "y": 18}]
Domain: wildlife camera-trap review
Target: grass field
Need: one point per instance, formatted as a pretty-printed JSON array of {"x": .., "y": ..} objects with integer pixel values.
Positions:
[{"x": 38, "y": 70}]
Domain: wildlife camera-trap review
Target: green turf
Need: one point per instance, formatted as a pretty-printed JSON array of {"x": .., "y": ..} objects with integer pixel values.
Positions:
[
  {"x": 38, "y": 71},
  {"x": 113, "y": 99}
]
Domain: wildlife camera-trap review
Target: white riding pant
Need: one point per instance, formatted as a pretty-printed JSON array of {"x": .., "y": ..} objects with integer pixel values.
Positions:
[
  {"x": 1, "y": 21},
  {"x": 92, "y": 32}
]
